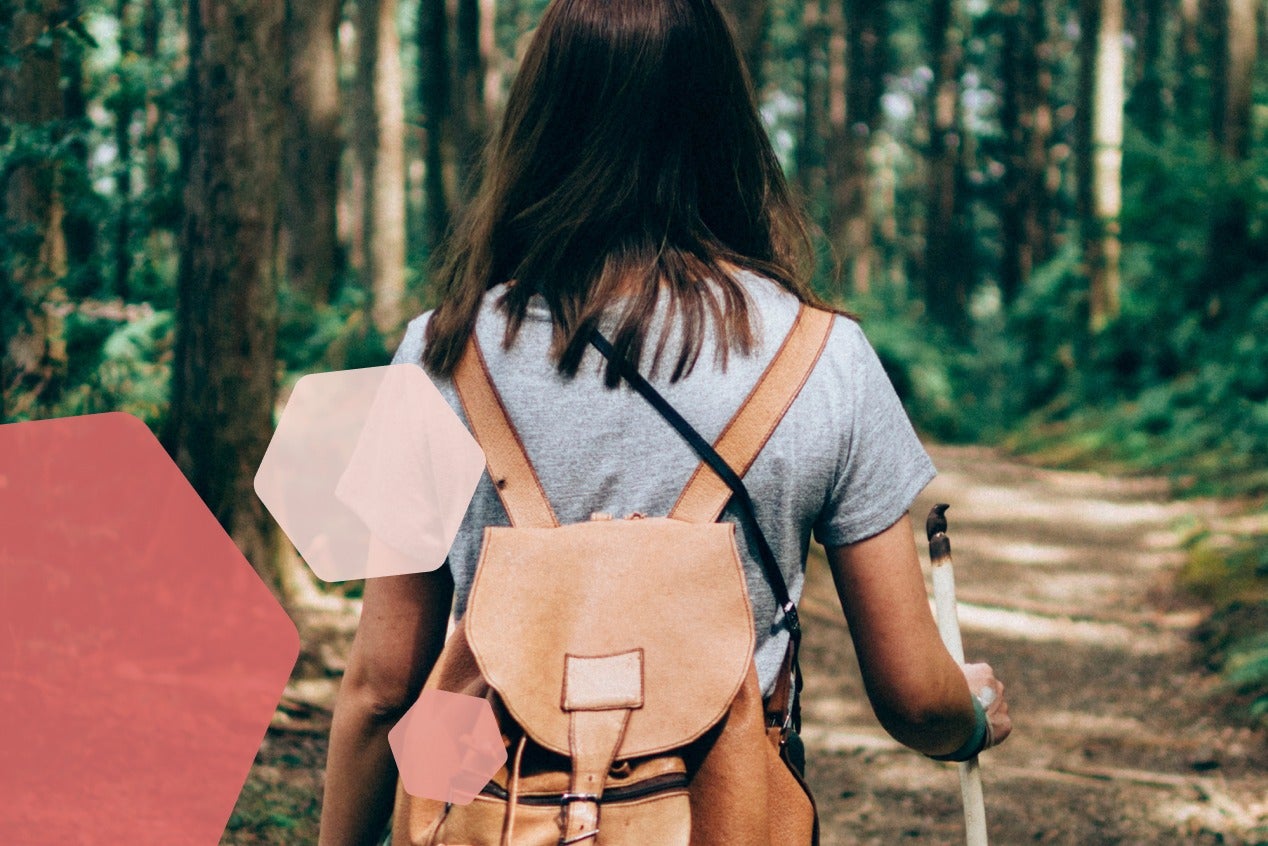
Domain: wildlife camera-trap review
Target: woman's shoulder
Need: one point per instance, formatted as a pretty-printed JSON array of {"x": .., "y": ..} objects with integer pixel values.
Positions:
[
  {"x": 846, "y": 343},
  {"x": 410, "y": 350}
]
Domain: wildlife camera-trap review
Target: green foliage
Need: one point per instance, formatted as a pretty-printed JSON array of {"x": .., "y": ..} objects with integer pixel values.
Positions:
[
  {"x": 337, "y": 336},
  {"x": 119, "y": 367}
]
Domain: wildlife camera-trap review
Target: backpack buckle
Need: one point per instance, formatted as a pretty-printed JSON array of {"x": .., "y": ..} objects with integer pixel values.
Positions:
[{"x": 566, "y": 798}]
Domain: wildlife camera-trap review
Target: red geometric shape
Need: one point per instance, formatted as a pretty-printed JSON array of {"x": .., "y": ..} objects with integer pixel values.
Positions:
[
  {"x": 369, "y": 473},
  {"x": 141, "y": 657},
  {"x": 447, "y": 746}
]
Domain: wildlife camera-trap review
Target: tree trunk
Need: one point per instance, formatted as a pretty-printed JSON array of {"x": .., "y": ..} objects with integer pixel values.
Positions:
[
  {"x": 313, "y": 147},
  {"x": 382, "y": 154},
  {"x": 1026, "y": 120},
  {"x": 125, "y": 113},
  {"x": 1238, "y": 37},
  {"x": 1101, "y": 23},
  {"x": 1229, "y": 241},
  {"x": 223, "y": 374},
  {"x": 865, "y": 49},
  {"x": 948, "y": 244},
  {"x": 494, "y": 63},
  {"x": 1194, "y": 82},
  {"x": 434, "y": 101},
  {"x": 811, "y": 152},
  {"x": 34, "y": 355},
  {"x": 1148, "y": 100},
  {"x": 151, "y": 27},
  {"x": 80, "y": 225}
]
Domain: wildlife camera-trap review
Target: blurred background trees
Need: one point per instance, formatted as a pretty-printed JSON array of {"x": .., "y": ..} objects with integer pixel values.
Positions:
[{"x": 1050, "y": 213}]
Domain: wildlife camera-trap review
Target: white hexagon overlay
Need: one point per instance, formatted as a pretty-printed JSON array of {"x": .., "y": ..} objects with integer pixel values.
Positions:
[{"x": 370, "y": 473}]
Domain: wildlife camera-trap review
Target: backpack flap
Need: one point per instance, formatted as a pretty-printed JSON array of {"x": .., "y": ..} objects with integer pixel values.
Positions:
[{"x": 648, "y": 618}]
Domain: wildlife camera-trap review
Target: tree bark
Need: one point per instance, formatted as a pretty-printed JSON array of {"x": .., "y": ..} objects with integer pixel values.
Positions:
[
  {"x": 223, "y": 374},
  {"x": 1026, "y": 120},
  {"x": 948, "y": 243},
  {"x": 1101, "y": 23},
  {"x": 816, "y": 91},
  {"x": 79, "y": 225},
  {"x": 865, "y": 49},
  {"x": 494, "y": 63},
  {"x": 434, "y": 101},
  {"x": 1237, "y": 53},
  {"x": 1193, "y": 87},
  {"x": 125, "y": 113},
  {"x": 382, "y": 154},
  {"x": 1229, "y": 241},
  {"x": 1148, "y": 100},
  {"x": 313, "y": 147},
  {"x": 34, "y": 355}
]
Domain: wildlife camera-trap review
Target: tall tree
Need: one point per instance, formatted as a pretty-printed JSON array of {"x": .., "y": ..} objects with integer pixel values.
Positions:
[
  {"x": 1235, "y": 72},
  {"x": 223, "y": 391},
  {"x": 811, "y": 149},
  {"x": 125, "y": 106},
  {"x": 1101, "y": 152},
  {"x": 1148, "y": 97},
  {"x": 948, "y": 255},
  {"x": 1235, "y": 56},
  {"x": 1026, "y": 121},
  {"x": 435, "y": 103},
  {"x": 1193, "y": 83},
  {"x": 313, "y": 147},
  {"x": 494, "y": 62},
  {"x": 866, "y": 36},
  {"x": 82, "y": 217},
  {"x": 381, "y": 151},
  {"x": 31, "y": 210}
]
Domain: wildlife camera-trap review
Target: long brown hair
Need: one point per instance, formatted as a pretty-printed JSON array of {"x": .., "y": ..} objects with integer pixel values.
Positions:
[{"x": 631, "y": 155}]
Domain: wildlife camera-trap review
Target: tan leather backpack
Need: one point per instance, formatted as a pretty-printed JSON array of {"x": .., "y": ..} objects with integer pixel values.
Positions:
[{"x": 617, "y": 655}]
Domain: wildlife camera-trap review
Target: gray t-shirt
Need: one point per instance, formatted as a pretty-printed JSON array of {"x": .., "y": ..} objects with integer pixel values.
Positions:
[{"x": 844, "y": 463}]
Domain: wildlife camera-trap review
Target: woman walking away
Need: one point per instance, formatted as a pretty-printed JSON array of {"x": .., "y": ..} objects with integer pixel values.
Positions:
[{"x": 632, "y": 616}]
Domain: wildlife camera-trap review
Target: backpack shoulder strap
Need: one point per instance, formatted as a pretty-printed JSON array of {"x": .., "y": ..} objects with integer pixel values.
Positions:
[
  {"x": 706, "y": 494},
  {"x": 512, "y": 474}
]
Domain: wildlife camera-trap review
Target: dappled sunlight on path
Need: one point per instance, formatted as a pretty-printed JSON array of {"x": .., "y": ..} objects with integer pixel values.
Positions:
[{"x": 1066, "y": 587}]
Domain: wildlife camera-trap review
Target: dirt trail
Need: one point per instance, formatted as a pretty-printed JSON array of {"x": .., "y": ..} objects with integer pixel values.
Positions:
[{"x": 1065, "y": 582}]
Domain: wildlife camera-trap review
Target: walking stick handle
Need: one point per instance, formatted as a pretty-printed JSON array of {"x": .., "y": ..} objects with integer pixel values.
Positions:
[{"x": 949, "y": 628}]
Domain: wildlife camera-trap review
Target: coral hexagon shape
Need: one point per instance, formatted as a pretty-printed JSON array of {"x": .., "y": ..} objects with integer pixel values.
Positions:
[
  {"x": 370, "y": 472},
  {"x": 141, "y": 657},
  {"x": 447, "y": 746}
]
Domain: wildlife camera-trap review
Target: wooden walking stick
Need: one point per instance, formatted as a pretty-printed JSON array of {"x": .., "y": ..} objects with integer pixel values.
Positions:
[{"x": 949, "y": 628}]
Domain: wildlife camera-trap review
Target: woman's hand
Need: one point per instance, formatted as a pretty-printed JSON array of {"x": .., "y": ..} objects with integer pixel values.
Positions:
[{"x": 990, "y": 692}]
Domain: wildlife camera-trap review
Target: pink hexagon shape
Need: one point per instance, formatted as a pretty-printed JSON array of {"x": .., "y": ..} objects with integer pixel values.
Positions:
[
  {"x": 141, "y": 657},
  {"x": 370, "y": 473},
  {"x": 447, "y": 746}
]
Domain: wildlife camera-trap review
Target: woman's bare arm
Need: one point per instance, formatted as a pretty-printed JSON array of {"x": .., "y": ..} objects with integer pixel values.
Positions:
[
  {"x": 402, "y": 630},
  {"x": 918, "y": 691}
]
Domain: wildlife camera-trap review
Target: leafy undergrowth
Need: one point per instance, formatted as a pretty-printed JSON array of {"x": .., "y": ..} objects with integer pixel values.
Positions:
[{"x": 1231, "y": 571}]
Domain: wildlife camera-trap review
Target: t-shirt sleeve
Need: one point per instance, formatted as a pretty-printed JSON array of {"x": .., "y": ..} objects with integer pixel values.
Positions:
[{"x": 881, "y": 464}]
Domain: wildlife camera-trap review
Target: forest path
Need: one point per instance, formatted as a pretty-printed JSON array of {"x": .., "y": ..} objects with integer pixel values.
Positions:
[{"x": 1065, "y": 583}]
